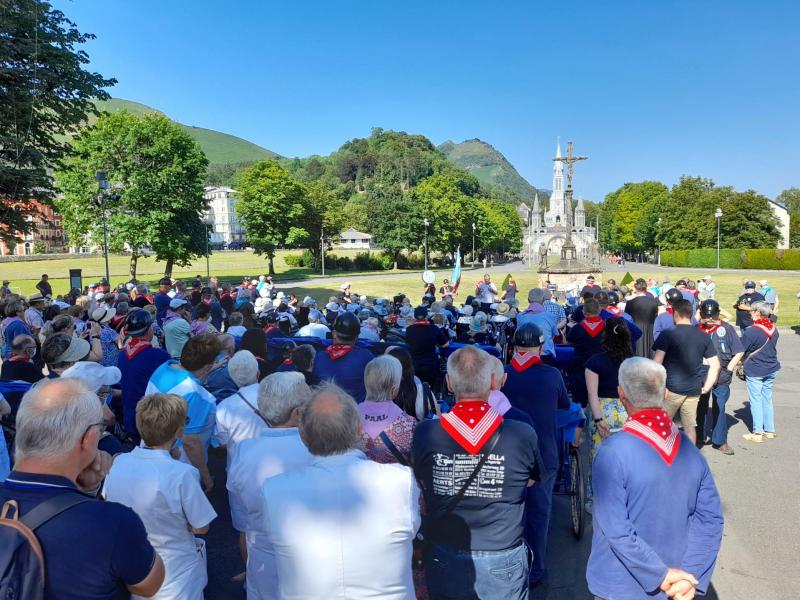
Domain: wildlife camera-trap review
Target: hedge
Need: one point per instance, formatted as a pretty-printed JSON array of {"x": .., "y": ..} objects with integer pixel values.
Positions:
[
  {"x": 765, "y": 259},
  {"x": 363, "y": 261}
]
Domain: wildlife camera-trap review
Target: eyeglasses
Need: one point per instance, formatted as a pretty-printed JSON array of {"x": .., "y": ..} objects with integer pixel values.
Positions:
[{"x": 101, "y": 425}]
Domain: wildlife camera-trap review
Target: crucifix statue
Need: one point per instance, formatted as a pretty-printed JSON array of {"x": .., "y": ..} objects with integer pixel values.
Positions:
[{"x": 568, "y": 251}]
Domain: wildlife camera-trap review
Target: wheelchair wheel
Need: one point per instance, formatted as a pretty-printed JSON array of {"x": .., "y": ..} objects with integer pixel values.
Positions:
[{"x": 577, "y": 492}]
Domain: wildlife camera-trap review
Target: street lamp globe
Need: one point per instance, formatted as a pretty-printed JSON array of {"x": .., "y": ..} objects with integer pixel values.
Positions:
[{"x": 718, "y": 213}]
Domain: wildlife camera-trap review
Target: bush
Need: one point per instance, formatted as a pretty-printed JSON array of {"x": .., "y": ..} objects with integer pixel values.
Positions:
[
  {"x": 765, "y": 259},
  {"x": 293, "y": 260},
  {"x": 365, "y": 261}
]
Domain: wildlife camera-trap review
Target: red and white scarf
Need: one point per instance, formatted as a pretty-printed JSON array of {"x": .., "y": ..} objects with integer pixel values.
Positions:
[
  {"x": 471, "y": 424},
  {"x": 135, "y": 346},
  {"x": 593, "y": 325},
  {"x": 614, "y": 310},
  {"x": 709, "y": 328},
  {"x": 654, "y": 427},
  {"x": 765, "y": 325},
  {"x": 337, "y": 351},
  {"x": 525, "y": 360}
]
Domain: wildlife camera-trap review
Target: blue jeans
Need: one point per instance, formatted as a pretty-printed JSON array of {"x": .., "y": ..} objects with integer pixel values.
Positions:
[
  {"x": 454, "y": 574},
  {"x": 538, "y": 507},
  {"x": 719, "y": 424},
  {"x": 759, "y": 392}
]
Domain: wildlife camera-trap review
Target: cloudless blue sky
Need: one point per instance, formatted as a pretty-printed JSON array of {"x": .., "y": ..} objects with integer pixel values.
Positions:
[{"x": 647, "y": 89}]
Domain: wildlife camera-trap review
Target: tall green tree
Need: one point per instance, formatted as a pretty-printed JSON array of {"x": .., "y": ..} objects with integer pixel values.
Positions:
[
  {"x": 636, "y": 207},
  {"x": 790, "y": 198},
  {"x": 446, "y": 199},
  {"x": 156, "y": 169},
  {"x": 270, "y": 203},
  {"x": 396, "y": 221},
  {"x": 45, "y": 95},
  {"x": 323, "y": 210}
]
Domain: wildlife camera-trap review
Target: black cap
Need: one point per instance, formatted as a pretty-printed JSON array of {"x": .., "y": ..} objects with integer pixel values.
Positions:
[
  {"x": 680, "y": 282},
  {"x": 672, "y": 295},
  {"x": 613, "y": 298},
  {"x": 528, "y": 336},
  {"x": 347, "y": 325},
  {"x": 709, "y": 309},
  {"x": 138, "y": 322},
  {"x": 206, "y": 290},
  {"x": 421, "y": 312},
  {"x": 749, "y": 285},
  {"x": 165, "y": 281}
]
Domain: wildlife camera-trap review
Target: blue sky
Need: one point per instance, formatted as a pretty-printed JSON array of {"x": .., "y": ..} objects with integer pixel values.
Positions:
[{"x": 647, "y": 89}]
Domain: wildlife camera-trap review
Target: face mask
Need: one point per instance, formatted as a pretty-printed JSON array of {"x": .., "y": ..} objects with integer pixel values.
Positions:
[{"x": 33, "y": 355}]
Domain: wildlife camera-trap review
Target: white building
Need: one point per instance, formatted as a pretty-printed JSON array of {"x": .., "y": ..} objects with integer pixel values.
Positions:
[
  {"x": 221, "y": 215},
  {"x": 354, "y": 239},
  {"x": 550, "y": 230},
  {"x": 782, "y": 213}
]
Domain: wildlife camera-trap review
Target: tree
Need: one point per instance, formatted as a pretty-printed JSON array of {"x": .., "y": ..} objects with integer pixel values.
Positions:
[
  {"x": 322, "y": 208},
  {"x": 397, "y": 224},
  {"x": 446, "y": 200},
  {"x": 634, "y": 216},
  {"x": 790, "y": 198},
  {"x": 156, "y": 169},
  {"x": 269, "y": 205},
  {"x": 45, "y": 96}
]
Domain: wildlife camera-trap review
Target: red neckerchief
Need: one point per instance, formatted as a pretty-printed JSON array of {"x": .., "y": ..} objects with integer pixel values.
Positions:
[
  {"x": 471, "y": 424},
  {"x": 525, "y": 360},
  {"x": 423, "y": 322},
  {"x": 269, "y": 328},
  {"x": 593, "y": 325},
  {"x": 337, "y": 351},
  {"x": 670, "y": 310},
  {"x": 18, "y": 358},
  {"x": 135, "y": 346},
  {"x": 654, "y": 426},
  {"x": 765, "y": 325},
  {"x": 288, "y": 362},
  {"x": 614, "y": 310},
  {"x": 708, "y": 328}
]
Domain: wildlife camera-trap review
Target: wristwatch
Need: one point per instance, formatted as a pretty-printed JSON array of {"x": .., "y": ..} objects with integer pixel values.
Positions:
[{"x": 598, "y": 419}]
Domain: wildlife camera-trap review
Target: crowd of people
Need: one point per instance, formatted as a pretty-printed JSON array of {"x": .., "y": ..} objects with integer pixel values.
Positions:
[{"x": 375, "y": 447}]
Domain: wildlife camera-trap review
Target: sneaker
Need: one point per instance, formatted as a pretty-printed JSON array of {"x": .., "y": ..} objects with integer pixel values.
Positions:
[
  {"x": 753, "y": 437},
  {"x": 724, "y": 448},
  {"x": 769, "y": 435}
]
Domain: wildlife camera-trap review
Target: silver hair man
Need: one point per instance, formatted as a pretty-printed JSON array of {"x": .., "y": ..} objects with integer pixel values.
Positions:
[
  {"x": 469, "y": 373},
  {"x": 314, "y": 316},
  {"x": 53, "y": 418},
  {"x": 382, "y": 377},
  {"x": 643, "y": 382},
  {"x": 762, "y": 308},
  {"x": 243, "y": 368},
  {"x": 228, "y": 343},
  {"x": 330, "y": 423},
  {"x": 280, "y": 394}
]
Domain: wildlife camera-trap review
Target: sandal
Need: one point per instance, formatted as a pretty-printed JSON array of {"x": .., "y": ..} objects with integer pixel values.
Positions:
[{"x": 753, "y": 437}]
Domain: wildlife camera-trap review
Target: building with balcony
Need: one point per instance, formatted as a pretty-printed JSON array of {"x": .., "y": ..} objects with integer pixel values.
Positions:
[{"x": 221, "y": 215}]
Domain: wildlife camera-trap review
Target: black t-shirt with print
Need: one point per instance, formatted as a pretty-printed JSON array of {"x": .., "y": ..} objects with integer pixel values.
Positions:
[
  {"x": 685, "y": 347},
  {"x": 490, "y": 516}
]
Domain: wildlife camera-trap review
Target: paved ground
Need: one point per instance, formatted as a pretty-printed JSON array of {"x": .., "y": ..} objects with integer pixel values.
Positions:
[{"x": 759, "y": 486}]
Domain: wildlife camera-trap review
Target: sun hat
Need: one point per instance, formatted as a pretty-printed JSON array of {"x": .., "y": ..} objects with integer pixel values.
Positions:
[
  {"x": 103, "y": 315},
  {"x": 467, "y": 310},
  {"x": 93, "y": 374},
  {"x": 332, "y": 306},
  {"x": 309, "y": 301},
  {"x": 345, "y": 286},
  {"x": 478, "y": 322},
  {"x": 35, "y": 297},
  {"x": 78, "y": 348},
  {"x": 503, "y": 308},
  {"x": 177, "y": 303}
]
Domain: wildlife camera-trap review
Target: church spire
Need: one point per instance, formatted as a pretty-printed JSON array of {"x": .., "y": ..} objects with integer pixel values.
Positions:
[
  {"x": 536, "y": 216},
  {"x": 580, "y": 214}
]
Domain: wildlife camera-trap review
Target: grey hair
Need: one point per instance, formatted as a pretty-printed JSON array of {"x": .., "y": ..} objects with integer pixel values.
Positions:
[
  {"x": 498, "y": 370},
  {"x": 227, "y": 343},
  {"x": 141, "y": 289},
  {"x": 382, "y": 377},
  {"x": 243, "y": 368},
  {"x": 330, "y": 423},
  {"x": 469, "y": 373},
  {"x": 643, "y": 381},
  {"x": 314, "y": 316},
  {"x": 53, "y": 417},
  {"x": 762, "y": 308},
  {"x": 281, "y": 393}
]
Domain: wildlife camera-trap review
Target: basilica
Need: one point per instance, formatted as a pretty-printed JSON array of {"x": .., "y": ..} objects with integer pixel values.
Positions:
[{"x": 547, "y": 232}]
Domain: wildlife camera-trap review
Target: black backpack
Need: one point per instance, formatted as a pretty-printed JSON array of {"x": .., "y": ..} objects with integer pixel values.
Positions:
[{"x": 22, "y": 569}]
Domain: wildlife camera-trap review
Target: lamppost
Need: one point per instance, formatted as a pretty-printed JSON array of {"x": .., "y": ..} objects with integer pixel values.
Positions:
[
  {"x": 426, "y": 222},
  {"x": 473, "y": 245},
  {"x": 658, "y": 246},
  {"x": 718, "y": 215},
  {"x": 322, "y": 248},
  {"x": 103, "y": 184},
  {"x": 208, "y": 227}
]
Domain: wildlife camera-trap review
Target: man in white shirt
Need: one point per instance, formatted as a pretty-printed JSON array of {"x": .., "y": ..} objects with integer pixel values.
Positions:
[
  {"x": 572, "y": 291},
  {"x": 343, "y": 526},
  {"x": 486, "y": 292},
  {"x": 167, "y": 496},
  {"x": 314, "y": 328},
  {"x": 276, "y": 450}
]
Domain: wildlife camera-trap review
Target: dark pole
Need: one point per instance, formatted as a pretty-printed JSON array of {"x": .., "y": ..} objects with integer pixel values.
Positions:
[{"x": 105, "y": 236}]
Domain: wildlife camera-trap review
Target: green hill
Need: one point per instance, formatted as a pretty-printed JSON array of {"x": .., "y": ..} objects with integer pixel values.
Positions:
[
  {"x": 219, "y": 148},
  {"x": 489, "y": 166}
]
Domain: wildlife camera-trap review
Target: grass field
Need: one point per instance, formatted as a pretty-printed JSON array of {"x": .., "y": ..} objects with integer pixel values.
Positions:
[{"x": 231, "y": 266}]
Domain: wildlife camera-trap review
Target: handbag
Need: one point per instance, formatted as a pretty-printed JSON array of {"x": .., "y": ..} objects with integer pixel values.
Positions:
[
  {"x": 739, "y": 371},
  {"x": 422, "y": 541}
]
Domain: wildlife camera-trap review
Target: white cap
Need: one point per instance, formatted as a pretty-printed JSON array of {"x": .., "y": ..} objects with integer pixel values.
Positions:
[
  {"x": 177, "y": 303},
  {"x": 93, "y": 374},
  {"x": 762, "y": 283}
]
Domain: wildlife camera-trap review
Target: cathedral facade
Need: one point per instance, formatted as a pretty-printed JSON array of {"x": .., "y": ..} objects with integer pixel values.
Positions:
[{"x": 545, "y": 233}]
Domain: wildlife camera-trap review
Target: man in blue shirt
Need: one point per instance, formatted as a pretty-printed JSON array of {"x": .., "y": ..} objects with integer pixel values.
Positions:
[
  {"x": 92, "y": 550},
  {"x": 13, "y": 325},
  {"x": 538, "y": 390},
  {"x": 657, "y": 516},
  {"x": 137, "y": 362},
  {"x": 545, "y": 320},
  {"x": 162, "y": 299},
  {"x": 343, "y": 362}
]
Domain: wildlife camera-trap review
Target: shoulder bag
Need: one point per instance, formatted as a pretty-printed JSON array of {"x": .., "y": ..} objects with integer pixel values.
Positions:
[{"x": 739, "y": 371}]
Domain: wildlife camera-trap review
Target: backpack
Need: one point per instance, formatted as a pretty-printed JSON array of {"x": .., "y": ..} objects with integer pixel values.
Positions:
[{"x": 22, "y": 568}]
